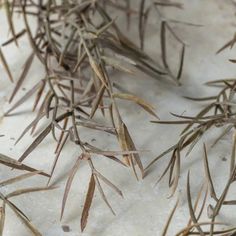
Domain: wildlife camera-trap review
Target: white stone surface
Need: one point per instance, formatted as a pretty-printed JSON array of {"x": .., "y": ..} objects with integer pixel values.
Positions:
[{"x": 145, "y": 207}]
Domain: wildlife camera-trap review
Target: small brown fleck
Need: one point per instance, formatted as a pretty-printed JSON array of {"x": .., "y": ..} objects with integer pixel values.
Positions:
[
  {"x": 65, "y": 228},
  {"x": 224, "y": 159}
]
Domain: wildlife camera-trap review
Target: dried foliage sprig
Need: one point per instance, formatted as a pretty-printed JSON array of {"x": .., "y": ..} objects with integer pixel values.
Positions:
[
  {"x": 195, "y": 225},
  {"x": 166, "y": 27},
  {"x": 219, "y": 113},
  {"x": 6, "y": 197},
  {"x": 78, "y": 43}
]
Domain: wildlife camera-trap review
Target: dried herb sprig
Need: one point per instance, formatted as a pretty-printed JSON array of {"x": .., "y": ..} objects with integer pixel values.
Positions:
[
  {"x": 78, "y": 44},
  {"x": 195, "y": 226},
  {"x": 6, "y": 197},
  {"x": 166, "y": 27},
  {"x": 219, "y": 113}
]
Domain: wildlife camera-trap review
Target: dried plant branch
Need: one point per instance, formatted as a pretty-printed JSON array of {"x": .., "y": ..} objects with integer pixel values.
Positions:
[
  {"x": 80, "y": 46},
  {"x": 220, "y": 114}
]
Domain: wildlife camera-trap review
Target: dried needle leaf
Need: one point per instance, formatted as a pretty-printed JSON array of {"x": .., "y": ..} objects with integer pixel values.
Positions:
[
  {"x": 19, "y": 178},
  {"x": 103, "y": 194},
  {"x": 8, "y": 161},
  {"x": 141, "y": 23},
  {"x": 18, "y": 35},
  {"x": 191, "y": 210},
  {"x": 108, "y": 182},
  {"x": 88, "y": 202},
  {"x": 97, "y": 101},
  {"x": 169, "y": 219},
  {"x": 5, "y": 66},
  {"x": 22, "y": 77},
  {"x": 232, "y": 161},
  {"x": 9, "y": 19},
  {"x": 36, "y": 142},
  {"x": 21, "y": 216},
  {"x": 2, "y": 218},
  {"x": 169, "y": 4},
  {"x": 163, "y": 44},
  {"x": 27, "y": 190},
  {"x": 24, "y": 98},
  {"x": 145, "y": 105},
  {"x": 208, "y": 175},
  {"x": 181, "y": 63},
  {"x": 116, "y": 64},
  {"x": 228, "y": 44},
  {"x": 68, "y": 185}
]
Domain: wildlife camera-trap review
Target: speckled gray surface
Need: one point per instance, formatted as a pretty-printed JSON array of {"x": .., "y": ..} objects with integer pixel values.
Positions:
[{"x": 145, "y": 207}]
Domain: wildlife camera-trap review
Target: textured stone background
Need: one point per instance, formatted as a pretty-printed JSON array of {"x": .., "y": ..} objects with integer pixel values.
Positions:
[{"x": 145, "y": 207}]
